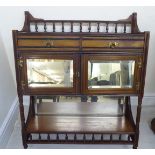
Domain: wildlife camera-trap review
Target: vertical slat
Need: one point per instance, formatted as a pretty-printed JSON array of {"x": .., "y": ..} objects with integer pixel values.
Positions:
[
  {"x": 111, "y": 137},
  {"x": 30, "y": 137},
  {"x": 80, "y": 27},
  {"x": 66, "y": 137},
  {"x": 62, "y": 26},
  {"x": 36, "y": 27},
  {"x": 107, "y": 27},
  {"x": 48, "y": 137},
  {"x": 71, "y": 26},
  {"x": 57, "y": 138},
  {"x": 89, "y": 27},
  {"x": 116, "y": 28},
  {"x": 75, "y": 137},
  {"x": 93, "y": 137},
  {"x": 45, "y": 27},
  {"x": 39, "y": 136},
  {"x": 102, "y": 137},
  {"x": 124, "y": 28},
  {"x": 98, "y": 27},
  {"x": 128, "y": 138},
  {"x": 120, "y": 136},
  {"x": 84, "y": 137},
  {"x": 53, "y": 26}
]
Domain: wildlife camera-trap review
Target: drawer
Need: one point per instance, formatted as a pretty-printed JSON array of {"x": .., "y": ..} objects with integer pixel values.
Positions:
[
  {"x": 112, "y": 43},
  {"x": 47, "y": 42}
]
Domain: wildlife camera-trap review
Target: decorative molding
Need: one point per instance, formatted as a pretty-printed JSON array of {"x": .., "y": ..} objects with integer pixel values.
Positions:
[{"x": 8, "y": 125}]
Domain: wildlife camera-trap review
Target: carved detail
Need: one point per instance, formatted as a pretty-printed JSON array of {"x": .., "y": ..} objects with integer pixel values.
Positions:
[
  {"x": 22, "y": 84},
  {"x": 28, "y": 18},
  {"x": 138, "y": 86},
  {"x": 140, "y": 63},
  {"x": 20, "y": 62}
]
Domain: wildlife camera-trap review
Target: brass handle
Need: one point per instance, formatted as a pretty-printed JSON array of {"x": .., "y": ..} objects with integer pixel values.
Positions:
[
  {"x": 113, "y": 44},
  {"x": 49, "y": 44}
]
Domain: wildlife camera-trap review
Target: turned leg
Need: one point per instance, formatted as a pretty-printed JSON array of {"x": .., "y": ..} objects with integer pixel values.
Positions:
[
  {"x": 135, "y": 145},
  {"x": 32, "y": 104},
  {"x": 22, "y": 117},
  {"x": 153, "y": 125}
]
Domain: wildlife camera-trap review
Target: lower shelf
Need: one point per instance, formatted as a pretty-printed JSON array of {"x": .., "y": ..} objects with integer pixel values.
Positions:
[
  {"x": 76, "y": 124},
  {"x": 79, "y": 123},
  {"x": 81, "y": 117}
]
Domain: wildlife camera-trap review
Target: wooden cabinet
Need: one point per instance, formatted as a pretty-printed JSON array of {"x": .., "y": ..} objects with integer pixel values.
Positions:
[{"x": 96, "y": 64}]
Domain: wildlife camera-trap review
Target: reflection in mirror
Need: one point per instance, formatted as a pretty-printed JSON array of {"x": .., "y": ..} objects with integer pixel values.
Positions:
[
  {"x": 50, "y": 73},
  {"x": 72, "y": 106},
  {"x": 110, "y": 74}
]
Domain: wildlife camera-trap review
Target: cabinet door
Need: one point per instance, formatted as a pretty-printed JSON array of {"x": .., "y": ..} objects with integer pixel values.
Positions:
[
  {"x": 111, "y": 74},
  {"x": 49, "y": 74}
]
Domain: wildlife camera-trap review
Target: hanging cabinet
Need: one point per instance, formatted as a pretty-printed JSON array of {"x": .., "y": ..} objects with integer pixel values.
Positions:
[{"x": 94, "y": 61}]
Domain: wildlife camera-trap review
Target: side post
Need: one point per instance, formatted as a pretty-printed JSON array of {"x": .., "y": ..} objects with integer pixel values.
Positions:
[
  {"x": 22, "y": 117},
  {"x": 135, "y": 145}
]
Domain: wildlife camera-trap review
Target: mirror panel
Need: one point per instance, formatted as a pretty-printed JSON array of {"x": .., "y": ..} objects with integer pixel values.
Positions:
[
  {"x": 110, "y": 74},
  {"x": 92, "y": 105},
  {"x": 49, "y": 73}
]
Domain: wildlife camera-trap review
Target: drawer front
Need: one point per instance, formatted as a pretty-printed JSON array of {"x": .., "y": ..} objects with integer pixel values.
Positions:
[
  {"x": 113, "y": 42},
  {"x": 47, "y": 43}
]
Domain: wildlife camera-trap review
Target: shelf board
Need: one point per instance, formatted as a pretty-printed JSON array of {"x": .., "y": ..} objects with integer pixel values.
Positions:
[
  {"x": 71, "y": 124},
  {"x": 76, "y": 123}
]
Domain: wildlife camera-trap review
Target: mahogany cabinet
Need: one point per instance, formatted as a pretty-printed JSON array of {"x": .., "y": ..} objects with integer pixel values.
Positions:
[{"x": 80, "y": 76}]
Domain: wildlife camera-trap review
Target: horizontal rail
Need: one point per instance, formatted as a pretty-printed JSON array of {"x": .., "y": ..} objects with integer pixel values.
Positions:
[
  {"x": 80, "y": 21},
  {"x": 77, "y": 142}
]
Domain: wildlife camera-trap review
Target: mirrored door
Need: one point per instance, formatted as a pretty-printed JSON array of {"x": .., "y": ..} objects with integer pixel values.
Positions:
[
  {"x": 48, "y": 74},
  {"x": 110, "y": 73}
]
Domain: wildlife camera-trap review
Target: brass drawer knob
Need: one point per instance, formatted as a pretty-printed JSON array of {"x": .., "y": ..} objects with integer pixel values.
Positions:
[
  {"x": 49, "y": 44},
  {"x": 113, "y": 44}
]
